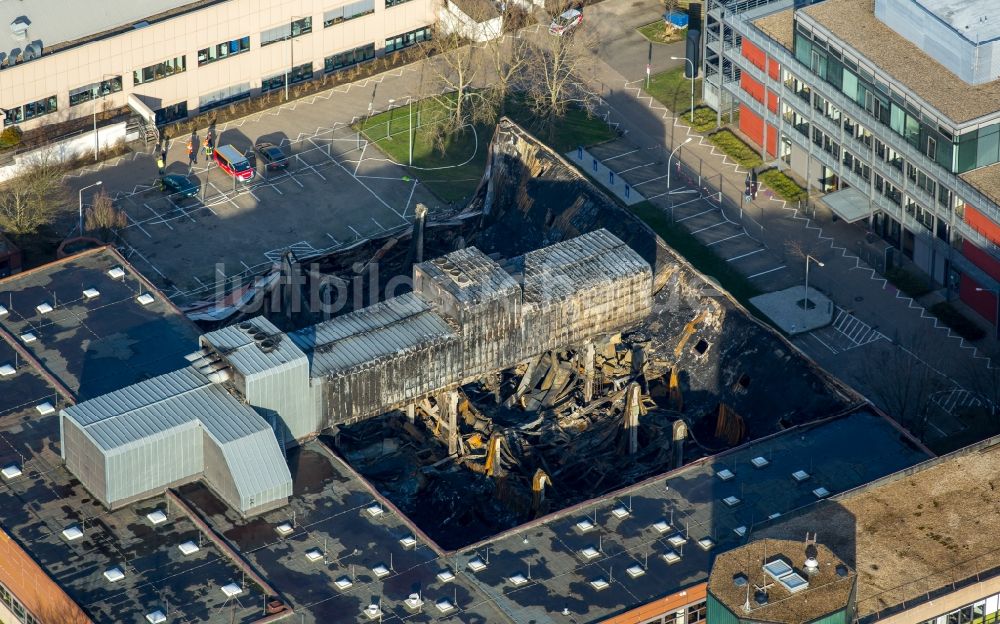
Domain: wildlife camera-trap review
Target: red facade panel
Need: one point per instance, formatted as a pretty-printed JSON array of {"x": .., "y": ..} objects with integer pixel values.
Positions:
[
  {"x": 981, "y": 259},
  {"x": 772, "y": 101},
  {"x": 754, "y": 54},
  {"x": 981, "y": 223},
  {"x": 751, "y": 86},
  {"x": 772, "y": 140},
  {"x": 751, "y": 125},
  {"x": 773, "y": 69}
]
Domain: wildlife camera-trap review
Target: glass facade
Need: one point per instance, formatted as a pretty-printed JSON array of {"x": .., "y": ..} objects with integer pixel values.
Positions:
[
  {"x": 892, "y": 109},
  {"x": 301, "y": 26},
  {"x": 223, "y": 50},
  {"x": 33, "y": 110},
  {"x": 985, "y": 611},
  {"x": 399, "y": 42},
  {"x": 349, "y": 58},
  {"x": 392, "y": 3},
  {"x": 95, "y": 90},
  {"x": 156, "y": 72},
  {"x": 297, "y": 74},
  {"x": 223, "y": 97},
  {"x": 348, "y": 12}
]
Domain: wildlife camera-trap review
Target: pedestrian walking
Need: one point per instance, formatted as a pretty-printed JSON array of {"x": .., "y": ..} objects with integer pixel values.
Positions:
[
  {"x": 192, "y": 156},
  {"x": 160, "y": 164},
  {"x": 208, "y": 147}
]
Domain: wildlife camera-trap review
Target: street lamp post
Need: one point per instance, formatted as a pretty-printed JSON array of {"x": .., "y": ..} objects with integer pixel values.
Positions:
[
  {"x": 669, "y": 170},
  {"x": 694, "y": 75},
  {"x": 996, "y": 320},
  {"x": 100, "y": 94},
  {"x": 291, "y": 54},
  {"x": 805, "y": 298},
  {"x": 409, "y": 103},
  {"x": 98, "y": 183}
]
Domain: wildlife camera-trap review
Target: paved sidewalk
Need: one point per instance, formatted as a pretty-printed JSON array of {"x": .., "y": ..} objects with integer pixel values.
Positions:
[{"x": 867, "y": 306}]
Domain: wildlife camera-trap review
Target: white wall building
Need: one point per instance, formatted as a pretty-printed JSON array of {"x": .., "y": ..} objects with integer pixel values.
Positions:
[{"x": 181, "y": 57}]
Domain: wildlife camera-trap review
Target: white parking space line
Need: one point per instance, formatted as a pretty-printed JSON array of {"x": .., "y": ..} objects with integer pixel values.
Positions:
[
  {"x": 368, "y": 188},
  {"x": 360, "y": 159},
  {"x": 816, "y": 338},
  {"x": 697, "y": 214},
  {"x": 139, "y": 225},
  {"x": 356, "y": 233},
  {"x": 335, "y": 241},
  {"x": 766, "y": 272},
  {"x": 620, "y": 155},
  {"x": 377, "y": 223},
  {"x": 722, "y": 240},
  {"x": 709, "y": 227},
  {"x": 659, "y": 177},
  {"x": 158, "y": 216},
  {"x": 749, "y": 253},
  {"x": 406, "y": 208},
  {"x": 636, "y": 167}
]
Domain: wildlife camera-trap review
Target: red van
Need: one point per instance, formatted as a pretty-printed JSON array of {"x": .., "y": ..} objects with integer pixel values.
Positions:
[{"x": 233, "y": 162}]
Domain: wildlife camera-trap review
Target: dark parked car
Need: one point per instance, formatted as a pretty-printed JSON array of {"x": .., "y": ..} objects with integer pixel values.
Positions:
[
  {"x": 176, "y": 183},
  {"x": 272, "y": 156}
]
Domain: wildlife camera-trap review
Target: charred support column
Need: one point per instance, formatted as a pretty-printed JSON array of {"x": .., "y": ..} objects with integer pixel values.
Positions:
[
  {"x": 418, "y": 234},
  {"x": 680, "y": 434},
  {"x": 448, "y": 411},
  {"x": 588, "y": 372},
  {"x": 411, "y": 412},
  {"x": 632, "y": 417}
]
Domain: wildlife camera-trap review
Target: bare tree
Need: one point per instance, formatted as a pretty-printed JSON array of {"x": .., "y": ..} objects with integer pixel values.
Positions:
[
  {"x": 31, "y": 199},
  {"x": 507, "y": 58},
  {"x": 103, "y": 218},
  {"x": 902, "y": 384},
  {"x": 454, "y": 71},
  {"x": 669, "y": 6},
  {"x": 553, "y": 79}
]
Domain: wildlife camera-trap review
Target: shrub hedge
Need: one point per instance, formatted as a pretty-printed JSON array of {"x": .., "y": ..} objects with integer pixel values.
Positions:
[{"x": 736, "y": 148}]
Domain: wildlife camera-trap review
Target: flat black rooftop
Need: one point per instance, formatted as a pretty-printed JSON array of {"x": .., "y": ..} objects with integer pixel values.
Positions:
[
  {"x": 94, "y": 346},
  {"x": 46, "y": 499},
  {"x": 330, "y": 511}
]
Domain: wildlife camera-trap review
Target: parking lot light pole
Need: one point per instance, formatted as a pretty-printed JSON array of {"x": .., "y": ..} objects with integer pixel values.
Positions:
[
  {"x": 669, "y": 170},
  {"x": 98, "y": 183},
  {"x": 388, "y": 124},
  {"x": 694, "y": 75},
  {"x": 805, "y": 300},
  {"x": 409, "y": 102},
  {"x": 996, "y": 318}
]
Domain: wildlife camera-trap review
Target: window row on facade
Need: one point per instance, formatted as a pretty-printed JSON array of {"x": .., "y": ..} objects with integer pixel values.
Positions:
[
  {"x": 14, "y": 606},
  {"x": 984, "y": 611},
  {"x": 967, "y": 151}
]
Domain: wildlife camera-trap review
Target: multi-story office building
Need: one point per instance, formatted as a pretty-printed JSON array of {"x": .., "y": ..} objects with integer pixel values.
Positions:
[
  {"x": 179, "y": 57},
  {"x": 891, "y": 106}
]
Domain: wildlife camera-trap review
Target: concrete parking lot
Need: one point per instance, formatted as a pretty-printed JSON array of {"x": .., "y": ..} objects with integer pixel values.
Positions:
[{"x": 334, "y": 192}]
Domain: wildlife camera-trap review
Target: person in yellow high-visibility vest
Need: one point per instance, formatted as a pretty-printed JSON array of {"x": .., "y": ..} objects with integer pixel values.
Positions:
[{"x": 208, "y": 147}]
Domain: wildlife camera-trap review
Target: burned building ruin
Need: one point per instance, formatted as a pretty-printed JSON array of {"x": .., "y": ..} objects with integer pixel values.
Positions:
[{"x": 251, "y": 389}]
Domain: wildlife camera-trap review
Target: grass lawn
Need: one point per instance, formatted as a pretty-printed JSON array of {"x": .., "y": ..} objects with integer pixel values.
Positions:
[
  {"x": 736, "y": 148},
  {"x": 673, "y": 90},
  {"x": 454, "y": 174},
  {"x": 657, "y": 32},
  {"x": 703, "y": 259},
  {"x": 704, "y": 119},
  {"x": 783, "y": 186}
]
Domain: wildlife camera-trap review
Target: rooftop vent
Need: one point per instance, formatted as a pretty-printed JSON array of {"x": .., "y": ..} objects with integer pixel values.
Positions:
[
  {"x": 156, "y": 517},
  {"x": 156, "y": 617},
  {"x": 841, "y": 570},
  {"x": 28, "y": 337},
  {"x": 446, "y": 576},
  {"x": 116, "y": 273},
  {"x": 45, "y": 408},
  {"x": 32, "y": 51},
  {"x": 740, "y": 579},
  {"x": 476, "y": 564},
  {"x": 145, "y": 299},
  {"x": 6, "y": 370},
  {"x": 444, "y": 605},
  {"x": 343, "y": 583},
  {"x": 114, "y": 575},
  {"x": 19, "y": 28},
  {"x": 43, "y": 308},
  {"x": 11, "y": 472},
  {"x": 231, "y": 590},
  {"x": 91, "y": 293},
  {"x": 760, "y": 597},
  {"x": 812, "y": 565},
  {"x": 246, "y": 326},
  {"x": 373, "y": 611},
  {"x": 188, "y": 548},
  {"x": 3, "y": 311},
  {"x": 72, "y": 533},
  {"x": 635, "y": 571}
]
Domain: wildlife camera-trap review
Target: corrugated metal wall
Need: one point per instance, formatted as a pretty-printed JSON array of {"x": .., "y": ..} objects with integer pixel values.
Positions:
[
  {"x": 84, "y": 459},
  {"x": 283, "y": 397},
  {"x": 146, "y": 467}
]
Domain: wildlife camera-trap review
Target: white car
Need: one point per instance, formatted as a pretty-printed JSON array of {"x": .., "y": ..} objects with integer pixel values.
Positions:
[{"x": 566, "y": 22}]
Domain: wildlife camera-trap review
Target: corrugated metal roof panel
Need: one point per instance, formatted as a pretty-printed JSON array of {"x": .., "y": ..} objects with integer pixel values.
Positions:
[
  {"x": 238, "y": 347},
  {"x": 576, "y": 265},
  {"x": 258, "y": 468},
  {"x": 389, "y": 327},
  {"x": 470, "y": 276}
]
